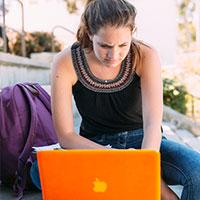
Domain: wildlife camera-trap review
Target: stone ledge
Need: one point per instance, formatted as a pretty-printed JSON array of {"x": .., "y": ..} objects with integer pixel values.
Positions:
[
  {"x": 181, "y": 121},
  {"x": 9, "y": 59},
  {"x": 44, "y": 56}
]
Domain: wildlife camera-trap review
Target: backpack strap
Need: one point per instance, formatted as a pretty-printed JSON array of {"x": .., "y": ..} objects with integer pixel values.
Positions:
[
  {"x": 31, "y": 88},
  {"x": 24, "y": 158}
]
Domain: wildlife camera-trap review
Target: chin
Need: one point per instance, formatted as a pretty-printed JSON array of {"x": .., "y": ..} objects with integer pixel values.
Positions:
[{"x": 111, "y": 64}]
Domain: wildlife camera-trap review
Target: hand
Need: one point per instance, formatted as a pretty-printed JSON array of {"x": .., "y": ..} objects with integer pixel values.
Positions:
[{"x": 167, "y": 193}]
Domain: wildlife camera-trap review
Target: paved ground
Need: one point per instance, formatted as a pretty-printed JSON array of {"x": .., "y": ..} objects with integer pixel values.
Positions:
[
  {"x": 7, "y": 194},
  {"x": 170, "y": 131}
]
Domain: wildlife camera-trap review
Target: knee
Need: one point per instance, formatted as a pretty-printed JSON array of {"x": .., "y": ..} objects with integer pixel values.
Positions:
[
  {"x": 34, "y": 174},
  {"x": 194, "y": 177}
]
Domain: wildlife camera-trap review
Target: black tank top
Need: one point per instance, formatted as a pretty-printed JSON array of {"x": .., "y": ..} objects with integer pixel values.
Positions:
[{"x": 106, "y": 107}]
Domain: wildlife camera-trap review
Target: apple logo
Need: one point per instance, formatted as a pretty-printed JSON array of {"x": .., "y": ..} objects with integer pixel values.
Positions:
[{"x": 99, "y": 186}]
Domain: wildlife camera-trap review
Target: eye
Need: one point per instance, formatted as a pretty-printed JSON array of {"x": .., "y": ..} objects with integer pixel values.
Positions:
[
  {"x": 105, "y": 46},
  {"x": 122, "y": 45}
]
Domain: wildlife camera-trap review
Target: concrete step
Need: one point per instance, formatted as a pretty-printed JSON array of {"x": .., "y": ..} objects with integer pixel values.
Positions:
[
  {"x": 194, "y": 143},
  {"x": 170, "y": 134},
  {"x": 184, "y": 135}
]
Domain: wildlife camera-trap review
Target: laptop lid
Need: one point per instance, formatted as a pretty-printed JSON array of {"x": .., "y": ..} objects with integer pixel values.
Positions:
[{"x": 99, "y": 174}]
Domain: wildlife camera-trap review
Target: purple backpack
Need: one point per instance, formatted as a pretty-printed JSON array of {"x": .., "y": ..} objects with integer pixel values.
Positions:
[{"x": 25, "y": 121}]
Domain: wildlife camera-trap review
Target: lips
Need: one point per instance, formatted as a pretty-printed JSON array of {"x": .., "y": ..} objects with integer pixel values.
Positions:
[{"x": 111, "y": 61}]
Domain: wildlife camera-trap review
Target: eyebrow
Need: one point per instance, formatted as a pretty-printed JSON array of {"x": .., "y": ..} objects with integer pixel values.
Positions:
[{"x": 110, "y": 45}]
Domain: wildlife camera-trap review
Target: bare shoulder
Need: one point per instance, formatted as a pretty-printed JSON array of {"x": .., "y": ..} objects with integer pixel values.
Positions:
[
  {"x": 149, "y": 58},
  {"x": 148, "y": 52},
  {"x": 63, "y": 66}
]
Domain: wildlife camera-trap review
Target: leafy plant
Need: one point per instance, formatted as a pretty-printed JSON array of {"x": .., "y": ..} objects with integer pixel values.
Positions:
[
  {"x": 35, "y": 42},
  {"x": 175, "y": 95}
]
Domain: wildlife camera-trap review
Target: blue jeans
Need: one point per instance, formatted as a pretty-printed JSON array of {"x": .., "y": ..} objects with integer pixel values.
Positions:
[{"x": 180, "y": 165}]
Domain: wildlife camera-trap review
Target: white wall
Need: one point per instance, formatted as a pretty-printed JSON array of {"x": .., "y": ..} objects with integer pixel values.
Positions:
[
  {"x": 197, "y": 20},
  {"x": 156, "y": 22},
  {"x": 14, "y": 69}
]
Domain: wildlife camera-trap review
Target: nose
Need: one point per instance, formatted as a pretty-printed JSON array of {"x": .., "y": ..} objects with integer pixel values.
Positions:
[{"x": 113, "y": 53}]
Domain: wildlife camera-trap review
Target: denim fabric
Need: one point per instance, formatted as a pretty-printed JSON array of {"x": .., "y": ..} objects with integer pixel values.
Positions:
[
  {"x": 34, "y": 174},
  {"x": 180, "y": 164}
]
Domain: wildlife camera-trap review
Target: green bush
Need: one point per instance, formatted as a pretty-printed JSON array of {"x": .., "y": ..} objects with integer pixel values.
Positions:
[
  {"x": 175, "y": 95},
  {"x": 35, "y": 42}
]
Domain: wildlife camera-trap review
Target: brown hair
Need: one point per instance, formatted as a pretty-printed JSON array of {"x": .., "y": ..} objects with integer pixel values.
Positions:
[{"x": 99, "y": 13}]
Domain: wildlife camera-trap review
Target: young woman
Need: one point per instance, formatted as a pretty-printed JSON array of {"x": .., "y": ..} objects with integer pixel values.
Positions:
[{"x": 116, "y": 82}]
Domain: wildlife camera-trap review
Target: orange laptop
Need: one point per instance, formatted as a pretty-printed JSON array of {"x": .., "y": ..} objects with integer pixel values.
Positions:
[{"x": 99, "y": 174}]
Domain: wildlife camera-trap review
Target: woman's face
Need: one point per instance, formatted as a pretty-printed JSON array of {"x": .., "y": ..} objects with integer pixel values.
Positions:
[{"x": 111, "y": 45}]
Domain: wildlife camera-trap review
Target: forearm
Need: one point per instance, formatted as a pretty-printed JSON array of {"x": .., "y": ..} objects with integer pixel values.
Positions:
[
  {"x": 75, "y": 141},
  {"x": 152, "y": 138}
]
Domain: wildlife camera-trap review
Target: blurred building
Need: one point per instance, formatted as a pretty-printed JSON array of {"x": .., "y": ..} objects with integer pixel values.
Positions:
[{"x": 156, "y": 22}]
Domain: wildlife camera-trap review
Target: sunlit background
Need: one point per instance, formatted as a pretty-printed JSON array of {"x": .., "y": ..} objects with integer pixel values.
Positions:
[{"x": 171, "y": 26}]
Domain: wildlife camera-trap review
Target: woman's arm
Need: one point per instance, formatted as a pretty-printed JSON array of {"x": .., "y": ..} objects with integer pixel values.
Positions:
[
  {"x": 152, "y": 98},
  {"x": 63, "y": 78},
  {"x": 152, "y": 106}
]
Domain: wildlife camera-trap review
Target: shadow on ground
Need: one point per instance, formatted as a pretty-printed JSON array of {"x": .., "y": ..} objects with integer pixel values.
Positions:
[{"x": 7, "y": 194}]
